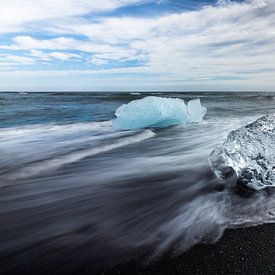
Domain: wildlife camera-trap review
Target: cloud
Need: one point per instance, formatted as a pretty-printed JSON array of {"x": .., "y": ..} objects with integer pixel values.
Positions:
[
  {"x": 15, "y": 60},
  {"x": 29, "y": 43},
  {"x": 54, "y": 55},
  {"x": 230, "y": 41},
  {"x": 14, "y": 14},
  {"x": 98, "y": 61},
  {"x": 102, "y": 53}
]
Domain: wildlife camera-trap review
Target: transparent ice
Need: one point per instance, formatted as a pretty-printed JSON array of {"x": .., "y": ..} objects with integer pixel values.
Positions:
[
  {"x": 152, "y": 111},
  {"x": 250, "y": 151}
]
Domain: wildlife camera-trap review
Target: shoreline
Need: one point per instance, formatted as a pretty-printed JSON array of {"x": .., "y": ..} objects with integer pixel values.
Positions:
[{"x": 240, "y": 251}]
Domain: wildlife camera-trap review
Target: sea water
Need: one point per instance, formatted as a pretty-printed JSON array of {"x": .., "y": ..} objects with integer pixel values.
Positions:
[{"x": 74, "y": 186}]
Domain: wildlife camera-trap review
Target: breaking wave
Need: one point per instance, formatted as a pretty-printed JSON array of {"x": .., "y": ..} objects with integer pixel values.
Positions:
[
  {"x": 56, "y": 163},
  {"x": 60, "y": 129}
]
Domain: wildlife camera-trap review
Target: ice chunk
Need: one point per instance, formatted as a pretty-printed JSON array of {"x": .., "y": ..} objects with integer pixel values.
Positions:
[
  {"x": 153, "y": 111},
  {"x": 250, "y": 151},
  {"x": 195, "y": 110}
]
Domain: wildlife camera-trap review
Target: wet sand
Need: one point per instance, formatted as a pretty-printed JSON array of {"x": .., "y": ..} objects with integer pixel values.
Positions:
[{"x": 240, "y": 251}]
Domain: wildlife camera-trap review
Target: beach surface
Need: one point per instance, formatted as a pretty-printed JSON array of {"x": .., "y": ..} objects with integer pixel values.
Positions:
[{"x": 242, "y": 251}]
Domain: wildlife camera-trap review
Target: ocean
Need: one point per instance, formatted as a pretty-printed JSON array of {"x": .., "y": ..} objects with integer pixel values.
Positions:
[{"x": 76, "y": 191}]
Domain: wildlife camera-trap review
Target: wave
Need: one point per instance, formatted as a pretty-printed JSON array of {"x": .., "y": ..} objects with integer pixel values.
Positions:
[
  {"x": 160, "y": 195},
  {"x": 56, "y": 163},
  {"x": 134, "y": 93},
  {"x": 30, "y": 130}
]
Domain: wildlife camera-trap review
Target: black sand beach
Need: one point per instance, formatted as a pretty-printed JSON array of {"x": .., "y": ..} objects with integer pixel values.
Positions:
[{"x": 241, "y": 251}]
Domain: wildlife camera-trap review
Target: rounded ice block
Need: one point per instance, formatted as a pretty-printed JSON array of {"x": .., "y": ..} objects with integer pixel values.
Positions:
[{"x": 152, "y": 111}]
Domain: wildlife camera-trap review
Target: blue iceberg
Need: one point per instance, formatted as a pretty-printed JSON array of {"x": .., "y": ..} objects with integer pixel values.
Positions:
[{"x": 153, "y": 111}]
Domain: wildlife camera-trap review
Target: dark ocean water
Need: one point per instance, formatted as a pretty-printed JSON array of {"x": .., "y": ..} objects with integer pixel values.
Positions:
[{"x": 75, "y": 192}]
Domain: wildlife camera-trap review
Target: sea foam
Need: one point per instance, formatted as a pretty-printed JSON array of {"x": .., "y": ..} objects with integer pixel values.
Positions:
[{"x": 152, "y": 111}]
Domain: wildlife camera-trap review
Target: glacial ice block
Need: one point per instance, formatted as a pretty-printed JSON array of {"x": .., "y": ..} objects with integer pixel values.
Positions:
[
  {"x": 250, "y": 151},
  {"x": 153, "y": 111}
]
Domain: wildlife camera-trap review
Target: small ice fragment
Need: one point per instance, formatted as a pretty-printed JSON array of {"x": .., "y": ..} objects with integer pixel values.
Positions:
[
  {"x": 195, "y": 110},
  {"x": 153, "y": 111}
]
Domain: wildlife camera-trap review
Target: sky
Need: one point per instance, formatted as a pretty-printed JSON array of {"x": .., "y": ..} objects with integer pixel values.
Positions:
[{"x": 137, "y": 45}]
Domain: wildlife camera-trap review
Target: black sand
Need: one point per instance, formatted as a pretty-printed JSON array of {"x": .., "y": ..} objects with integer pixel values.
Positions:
[{"x": 241, "y": 251}]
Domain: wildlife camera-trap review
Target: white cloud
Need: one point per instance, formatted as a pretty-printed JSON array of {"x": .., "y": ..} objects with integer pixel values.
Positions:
[
  {"x": 235, "y": 40},
  {"x": 217, "y": 40},
  {"x": 103, "y": 52},
  {"x": 64, "y": 56},
  {"x": 97, "y": 61},
  {"x": 66, "y": 73},
  {"x": 13, "y": 60},
  {"x": 14, "y": 14}
]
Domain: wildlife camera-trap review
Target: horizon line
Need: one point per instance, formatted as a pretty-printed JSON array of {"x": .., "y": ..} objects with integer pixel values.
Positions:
[{"x": 137, "y": 91}]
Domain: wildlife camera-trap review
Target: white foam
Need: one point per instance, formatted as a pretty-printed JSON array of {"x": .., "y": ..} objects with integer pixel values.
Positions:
[
  {"x": 56, "y": 163},
  {"x": 31, "y": 130},
  {"x": 134, "y": 93}
]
